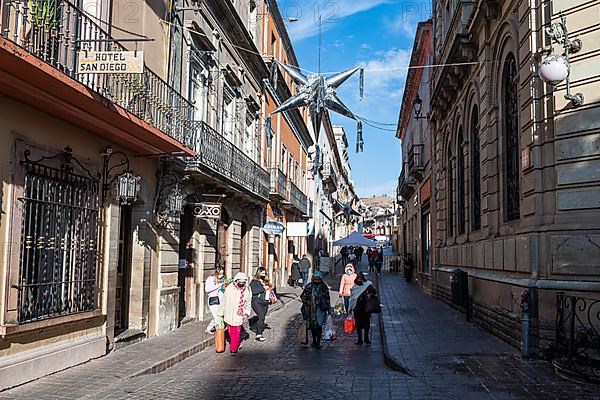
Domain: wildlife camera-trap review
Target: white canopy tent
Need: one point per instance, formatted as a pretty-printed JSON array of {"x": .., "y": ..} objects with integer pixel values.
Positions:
[{"x": 355, "y": 239}]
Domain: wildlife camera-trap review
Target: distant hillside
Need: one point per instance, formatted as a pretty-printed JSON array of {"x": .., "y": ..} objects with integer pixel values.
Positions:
[{"x": 382, "y": 201}]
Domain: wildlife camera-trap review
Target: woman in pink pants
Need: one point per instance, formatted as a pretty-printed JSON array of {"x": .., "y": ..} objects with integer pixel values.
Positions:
[{"x": 235, "y": 309}]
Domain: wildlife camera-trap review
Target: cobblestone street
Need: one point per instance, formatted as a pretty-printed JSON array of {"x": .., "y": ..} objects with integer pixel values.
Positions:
[{"x": 442, "y": 366}]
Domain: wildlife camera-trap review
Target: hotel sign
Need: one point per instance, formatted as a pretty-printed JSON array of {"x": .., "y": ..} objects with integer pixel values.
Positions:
[{"x": 110, "y": 62}]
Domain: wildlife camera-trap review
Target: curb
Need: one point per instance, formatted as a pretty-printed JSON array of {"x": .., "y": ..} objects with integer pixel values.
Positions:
[
  {"x": 203, "y": 345},
  {"x": 389, "y": 360}
]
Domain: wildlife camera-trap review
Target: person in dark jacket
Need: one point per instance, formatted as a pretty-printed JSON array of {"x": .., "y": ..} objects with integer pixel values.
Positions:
[
  {"x": 295, "y": 274},
  {"x": 358, "y": 306},
  {"x": 315, "y": 307},
  {"x": 260, "y": 301}
]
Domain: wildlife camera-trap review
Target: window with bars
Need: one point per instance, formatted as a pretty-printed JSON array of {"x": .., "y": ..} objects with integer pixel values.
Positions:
[
  {"x": 461, "y": 192},
  {"x": 511, "y": 138},
  {"x": 450, "y": 193},
  {"x": 475, "y": 172},
  {"x": 59, "y": 242}
]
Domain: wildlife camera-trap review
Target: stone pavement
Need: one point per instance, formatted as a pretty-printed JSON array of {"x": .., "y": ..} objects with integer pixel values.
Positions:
[
  {"x": 452, "y": 356},
  {"x": 152, "y": 355},
  {"x": 479, "y": 367}
]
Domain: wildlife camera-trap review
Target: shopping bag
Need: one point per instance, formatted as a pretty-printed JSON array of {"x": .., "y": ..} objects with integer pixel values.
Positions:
[
  {"x": 372, "y": 305},
  {"x": 329, "y": 331},
  {"x": 339, "y": 309},
  {"x": 303, "y": 333},
  {"x": 220, "y": 340},
  {"x": 349, "y": 325}
]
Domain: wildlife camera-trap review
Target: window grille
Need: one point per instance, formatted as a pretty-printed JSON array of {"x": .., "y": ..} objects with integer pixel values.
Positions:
[
  {"x": 59, "y": 241},
  {"x": 511, "y": 138},
  {"x": 475, "y": 171}
]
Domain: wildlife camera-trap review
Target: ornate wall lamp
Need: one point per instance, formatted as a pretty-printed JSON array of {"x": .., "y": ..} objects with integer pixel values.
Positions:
[
  {"x": 418, "y": 107},
  {"x": 555, "y": 68},
  {"x": 170, "y": 196},
  {"x": 126, "y": 185}
]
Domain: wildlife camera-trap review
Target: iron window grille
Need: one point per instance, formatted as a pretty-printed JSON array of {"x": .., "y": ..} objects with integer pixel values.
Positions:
[
  {"x": 475, "y": 171},
  {"x": 59, "y": 239},
  {"x": 450, "y": 194},
  {"x": 511, "y": 138},
  {"x": 461, "y": 185}
]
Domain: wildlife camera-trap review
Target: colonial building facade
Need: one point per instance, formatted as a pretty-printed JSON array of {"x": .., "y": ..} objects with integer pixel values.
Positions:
[
  {"x": 515, "y": 178},
  {"x": 416, "y": 205}
]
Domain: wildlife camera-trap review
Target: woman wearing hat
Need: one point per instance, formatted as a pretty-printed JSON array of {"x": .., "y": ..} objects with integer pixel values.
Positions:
[
  {"x": 315, "y": 307},
  {"x": 235, "y": 308}
]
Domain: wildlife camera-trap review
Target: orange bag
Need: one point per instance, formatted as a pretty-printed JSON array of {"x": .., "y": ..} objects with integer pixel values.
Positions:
[
  {"x": 220, "y": 340},
  {"x": 349, "y": 325}
]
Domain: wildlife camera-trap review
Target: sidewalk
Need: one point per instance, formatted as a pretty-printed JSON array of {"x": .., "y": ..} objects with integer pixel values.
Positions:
[
  {"x": 438, "y": 347},
  {"x": 150, "y": 356}
]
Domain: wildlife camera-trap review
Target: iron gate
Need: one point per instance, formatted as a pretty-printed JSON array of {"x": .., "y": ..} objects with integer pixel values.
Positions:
[{"x": 59, "y": 240}]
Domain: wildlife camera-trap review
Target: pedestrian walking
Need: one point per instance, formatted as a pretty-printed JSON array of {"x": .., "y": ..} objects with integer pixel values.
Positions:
[
  {"x": 214, "y": 288},
  {"x": 344, "y": 253},
  {"x": 315, "y": 307},
  {"x": 358, "y": 252},
  {"x": 235, "y": 309},
  {"x": 260, "y": 300},
  {"x": 362, "y": 292},
  {"x": 379, "y": 262},
  {"x": 305, "y": 266},
  {"x": 373, "y": 260},
  {"x": 295, "y": 274},
  {"x": 346, "y": 283}
]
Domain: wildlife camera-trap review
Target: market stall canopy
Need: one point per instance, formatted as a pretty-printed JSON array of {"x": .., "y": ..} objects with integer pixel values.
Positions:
[{"x": 354, "y": 239}]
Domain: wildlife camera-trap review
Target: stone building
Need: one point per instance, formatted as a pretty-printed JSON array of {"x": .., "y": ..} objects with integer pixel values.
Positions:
[
  {"x": 82, "y": 251},
  {"x": 287, "y": 152},
  {"x": 417, "y": 207},
  {"x": 516, "y": 182},
  {"x": 345, "y": 198}
]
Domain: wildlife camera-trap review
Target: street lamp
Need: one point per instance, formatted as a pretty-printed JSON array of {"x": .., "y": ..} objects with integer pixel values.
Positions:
[
  {"x": 555, "y": 68},
  {"x": 417, "y": 107}
]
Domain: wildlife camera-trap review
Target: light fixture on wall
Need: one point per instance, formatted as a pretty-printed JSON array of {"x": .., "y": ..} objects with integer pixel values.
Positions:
[
  {"x": 126, "y": 184},
  {"x": 555, "y": 68},
  {"x": 418, "y": 107}
]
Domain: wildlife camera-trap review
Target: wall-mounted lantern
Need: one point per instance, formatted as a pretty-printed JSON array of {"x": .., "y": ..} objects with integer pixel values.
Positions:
[
  {"x": 126, "y": 184},
  {"x": 170, "y": 196},
  {"x": 555, "y": 68},
  {"x": 418, "y": 107}
]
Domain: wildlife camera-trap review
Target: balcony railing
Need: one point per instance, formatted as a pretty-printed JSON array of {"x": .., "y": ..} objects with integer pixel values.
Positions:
[
  {"x": 298, "y": 199},
  {"x": 55, "y": 31},
  {"x": 406, "y": 183},
  {"x": 278, "y": 183},
  {"x": 329, "y": 177},
  {"x": 415, "y": 160},
  {"x": 220, "y": 156}
]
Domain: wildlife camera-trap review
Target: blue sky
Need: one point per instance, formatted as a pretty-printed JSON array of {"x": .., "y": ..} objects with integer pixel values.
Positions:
[{"x": 377, "y": 34}]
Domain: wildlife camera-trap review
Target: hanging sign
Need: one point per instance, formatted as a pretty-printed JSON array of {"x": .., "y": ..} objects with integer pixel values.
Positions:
[
  {"x": 208, "y": 210},
  {"x": 110, "y": 62},
  {"x": 273, "y": 228}
]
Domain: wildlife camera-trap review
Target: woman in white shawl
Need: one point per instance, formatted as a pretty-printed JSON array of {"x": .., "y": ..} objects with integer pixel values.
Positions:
[
  {"x": 358, "y": 301},
  {"x": 235, "y": 309}
]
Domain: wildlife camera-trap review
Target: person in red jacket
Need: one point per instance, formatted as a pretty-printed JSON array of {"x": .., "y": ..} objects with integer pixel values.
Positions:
[{"x": 346, "y": 284}]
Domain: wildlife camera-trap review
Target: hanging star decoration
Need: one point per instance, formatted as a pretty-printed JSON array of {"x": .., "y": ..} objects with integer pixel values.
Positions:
[{"x": 318, "y": 93}]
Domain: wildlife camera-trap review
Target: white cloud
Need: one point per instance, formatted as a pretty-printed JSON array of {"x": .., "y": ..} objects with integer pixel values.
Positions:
[
  {"x": 411, "y": 13},
  {"x": 331, "y": 12}
]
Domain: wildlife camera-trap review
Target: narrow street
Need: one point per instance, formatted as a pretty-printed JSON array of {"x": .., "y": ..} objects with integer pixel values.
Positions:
[{"x": 446, "y": 357}]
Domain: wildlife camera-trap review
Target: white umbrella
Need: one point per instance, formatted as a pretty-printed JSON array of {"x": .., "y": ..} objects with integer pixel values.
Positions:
[{"x": 354, "y": 239}]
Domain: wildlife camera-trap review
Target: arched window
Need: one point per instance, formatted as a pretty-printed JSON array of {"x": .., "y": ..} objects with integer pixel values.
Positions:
[
  {"x": 450, "y": 193},
  {"x": 475, "y": 172},
  {"x": 460, "y": 172},
  {"x": 511, "y": 138}
]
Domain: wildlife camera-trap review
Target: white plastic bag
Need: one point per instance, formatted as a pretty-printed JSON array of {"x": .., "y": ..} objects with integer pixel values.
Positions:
[{"x": 329, "y": 331}]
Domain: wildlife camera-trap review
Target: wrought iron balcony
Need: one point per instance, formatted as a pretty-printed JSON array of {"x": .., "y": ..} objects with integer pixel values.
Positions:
[
  {"x": 329, "y": 177},
  {"x": 415, "y": 161},
  {"x": 217, "y": 155},
  {"x": 56, "y": 31},
  {"x": 297, "y": 198},
  {"x": 406, "y": 183},
  {"x": 278, "y": 184}
]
